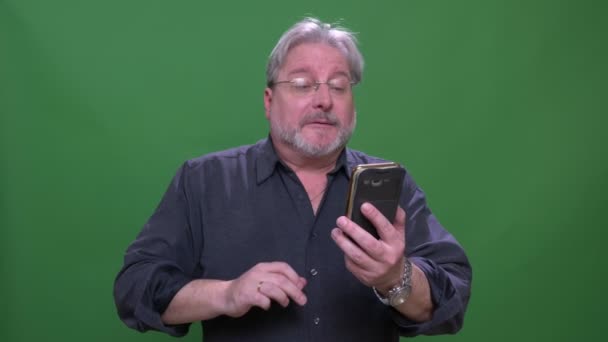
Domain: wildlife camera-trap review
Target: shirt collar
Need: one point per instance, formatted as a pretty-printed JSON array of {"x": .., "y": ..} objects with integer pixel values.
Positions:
[
  {"x": 342, "y": 164},
  {"x": 267, "y": 161}
]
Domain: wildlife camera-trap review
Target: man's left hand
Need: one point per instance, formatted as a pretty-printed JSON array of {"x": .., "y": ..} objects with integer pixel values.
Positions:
[{"x": 375, "y": 262}]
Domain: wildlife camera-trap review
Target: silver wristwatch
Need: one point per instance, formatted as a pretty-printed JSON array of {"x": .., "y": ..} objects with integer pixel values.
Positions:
[{"x": 400, "y": 292}]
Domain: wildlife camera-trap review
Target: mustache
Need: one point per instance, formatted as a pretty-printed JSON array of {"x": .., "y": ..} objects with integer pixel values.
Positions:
[{"x": 328, "y": 117}]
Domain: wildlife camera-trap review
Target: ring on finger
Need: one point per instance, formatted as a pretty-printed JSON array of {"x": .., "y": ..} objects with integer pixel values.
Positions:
[{"x": 260, "y": 285}]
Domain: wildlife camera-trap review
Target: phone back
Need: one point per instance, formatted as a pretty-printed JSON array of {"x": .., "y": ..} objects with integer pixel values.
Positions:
[{"x": 378, "y": 184}]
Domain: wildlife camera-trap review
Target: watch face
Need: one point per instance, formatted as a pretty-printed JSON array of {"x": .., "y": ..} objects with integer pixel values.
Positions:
[{"x": 399, "y": 297}]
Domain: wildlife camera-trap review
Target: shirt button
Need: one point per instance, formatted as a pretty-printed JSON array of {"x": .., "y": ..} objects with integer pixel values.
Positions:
[
  {"x": 316, "y": 320},
  {"x": 313, "y": 271}
]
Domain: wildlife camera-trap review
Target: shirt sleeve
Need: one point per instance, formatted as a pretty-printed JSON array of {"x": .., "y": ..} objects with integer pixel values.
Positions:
[
  {"x": 161, "y": 260},
  {"x": 444, "y": 262}
]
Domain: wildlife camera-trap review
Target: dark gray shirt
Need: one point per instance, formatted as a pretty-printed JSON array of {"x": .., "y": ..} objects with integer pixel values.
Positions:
[{"x": 227, "y": 211}]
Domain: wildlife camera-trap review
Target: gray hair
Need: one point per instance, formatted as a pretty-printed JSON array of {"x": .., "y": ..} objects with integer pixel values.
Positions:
[{"x": 311, "y": 30}]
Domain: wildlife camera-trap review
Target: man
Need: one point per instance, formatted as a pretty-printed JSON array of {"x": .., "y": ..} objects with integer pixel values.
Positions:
[{"x": 252, "y": 241}]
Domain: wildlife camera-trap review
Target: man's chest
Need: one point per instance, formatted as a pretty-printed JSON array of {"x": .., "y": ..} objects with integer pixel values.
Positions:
[{"x": 273, "y": 221}]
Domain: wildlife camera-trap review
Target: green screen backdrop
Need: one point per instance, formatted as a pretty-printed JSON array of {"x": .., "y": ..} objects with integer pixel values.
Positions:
[{"x": 497, "y": 108}]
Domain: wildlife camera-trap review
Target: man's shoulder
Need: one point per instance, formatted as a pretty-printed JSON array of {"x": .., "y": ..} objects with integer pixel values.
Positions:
[
  {"x": 228, "y": 156},
  {"x": 355, "y": 157}
]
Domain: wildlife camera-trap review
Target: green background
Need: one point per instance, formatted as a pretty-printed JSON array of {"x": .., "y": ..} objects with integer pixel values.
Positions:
[{"x": 498, "y": 108}]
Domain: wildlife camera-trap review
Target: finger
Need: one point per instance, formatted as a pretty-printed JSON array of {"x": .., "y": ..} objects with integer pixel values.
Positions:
[
  {"x": 286, "y": 286},
  {"x": 363, "y": 239},
  {"x": 399, "y": 222},
  {"x": 283, "y": 276},
  {"x": 360, "y": 273},
  {"x": 261, "y": 300},
  {"x": 282, "y": 268},
  {"x": 383, "y": 226},
  {"x": 301, "y": 283},
  {"x": 351, "y": 250},
  {"x": 273, "y": 292}
]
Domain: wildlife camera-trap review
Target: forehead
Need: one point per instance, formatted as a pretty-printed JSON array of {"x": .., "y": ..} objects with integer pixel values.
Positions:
[{"x": 315, "y": 58}]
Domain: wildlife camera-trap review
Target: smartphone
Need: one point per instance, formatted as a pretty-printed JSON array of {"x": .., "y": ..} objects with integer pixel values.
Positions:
[{"x": 379, "y": 184}]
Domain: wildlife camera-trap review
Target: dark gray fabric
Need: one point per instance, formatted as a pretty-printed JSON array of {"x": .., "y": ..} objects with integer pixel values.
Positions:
[{"x": 227, "y": 211}]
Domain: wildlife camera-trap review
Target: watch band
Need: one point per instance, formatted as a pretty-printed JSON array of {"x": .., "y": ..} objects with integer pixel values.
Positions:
[
  {"x": 399, "y": 293},
  {"x": 382, "y": 299}
]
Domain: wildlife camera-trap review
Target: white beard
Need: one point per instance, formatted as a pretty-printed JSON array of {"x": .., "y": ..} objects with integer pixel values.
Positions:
[{"x": 294, "y": 137}]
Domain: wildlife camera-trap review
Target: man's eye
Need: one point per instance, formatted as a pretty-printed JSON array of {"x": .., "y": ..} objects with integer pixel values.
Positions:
[
  {"x": 340, "y": 89},
  {"x": 301, "y": 84},
  {"x": 338, "y": 85}
]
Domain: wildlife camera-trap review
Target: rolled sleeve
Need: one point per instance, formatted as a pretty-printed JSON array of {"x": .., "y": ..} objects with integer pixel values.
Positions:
[
  {"x": 444, "y": 263},
  {"x": 160, "y": 261},
  {"x": 449, "y": 305}
]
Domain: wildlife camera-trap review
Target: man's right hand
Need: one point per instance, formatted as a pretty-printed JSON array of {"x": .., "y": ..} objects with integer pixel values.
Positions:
[
  {"x": 262, "y": 284},
  {"x": 203, "y": 299}
]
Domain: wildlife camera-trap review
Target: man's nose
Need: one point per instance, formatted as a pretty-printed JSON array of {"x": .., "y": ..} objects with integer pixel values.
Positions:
[{"x": 322, "y": 97}]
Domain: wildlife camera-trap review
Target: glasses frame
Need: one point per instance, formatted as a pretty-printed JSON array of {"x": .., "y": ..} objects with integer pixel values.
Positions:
[{"x": 315, "y": 84}]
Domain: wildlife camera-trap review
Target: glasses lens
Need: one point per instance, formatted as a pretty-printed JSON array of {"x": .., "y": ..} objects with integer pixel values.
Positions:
[
  {"x": 302, "y": 86},
  {"x": 339, "y": 85},
  {"x": 305, "y": 86}
]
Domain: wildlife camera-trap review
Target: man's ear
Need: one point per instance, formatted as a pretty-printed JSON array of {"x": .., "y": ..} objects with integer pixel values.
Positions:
[{"x": 267, "y": 101}]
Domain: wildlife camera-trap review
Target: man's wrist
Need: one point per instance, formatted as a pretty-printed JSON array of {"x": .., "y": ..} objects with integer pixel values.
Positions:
[
  {"x": 396, "y": 281},
  {"x": 398, "y": 293}
]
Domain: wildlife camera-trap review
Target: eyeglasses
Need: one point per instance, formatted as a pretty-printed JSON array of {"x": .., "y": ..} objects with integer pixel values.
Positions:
[{"x": 302, "y": 86}]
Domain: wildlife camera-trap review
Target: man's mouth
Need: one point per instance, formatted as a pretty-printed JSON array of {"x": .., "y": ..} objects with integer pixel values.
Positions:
[
  {"x": 322, "y": 122},
  {"x": 321, "y": 119}
]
